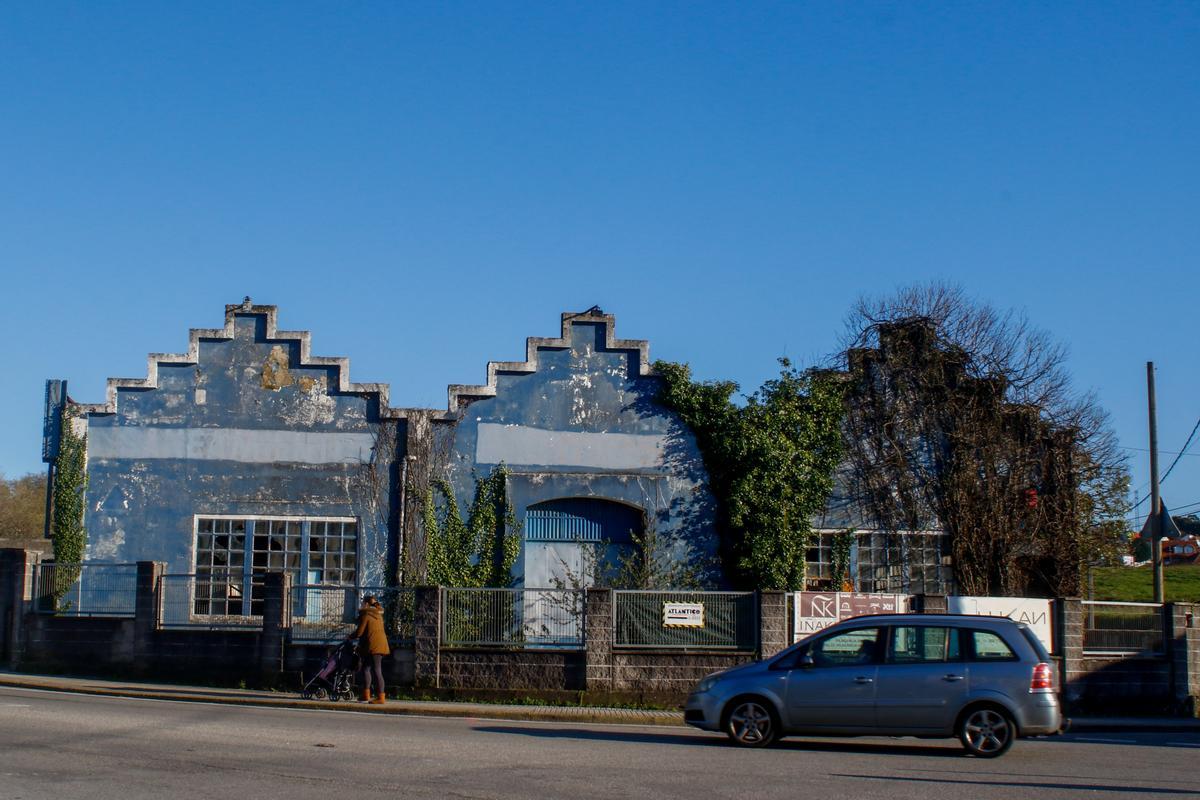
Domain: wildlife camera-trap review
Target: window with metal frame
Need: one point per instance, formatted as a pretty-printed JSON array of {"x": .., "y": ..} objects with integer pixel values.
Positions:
[{"x": 233, "y": 553}]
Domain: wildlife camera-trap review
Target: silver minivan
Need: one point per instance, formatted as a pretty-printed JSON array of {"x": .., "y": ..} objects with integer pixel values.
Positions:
[{"x": 986, "y": 680}]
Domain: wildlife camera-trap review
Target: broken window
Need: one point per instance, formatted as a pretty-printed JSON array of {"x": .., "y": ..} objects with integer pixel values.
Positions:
[{"x": 234, "y": 555}]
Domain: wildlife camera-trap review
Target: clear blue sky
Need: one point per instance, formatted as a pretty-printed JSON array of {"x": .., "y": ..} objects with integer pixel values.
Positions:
[{"x": 423, "y": 187}]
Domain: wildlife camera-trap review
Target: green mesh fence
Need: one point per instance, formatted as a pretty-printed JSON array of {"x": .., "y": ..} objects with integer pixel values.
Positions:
[{"x": 691, "y": 620}]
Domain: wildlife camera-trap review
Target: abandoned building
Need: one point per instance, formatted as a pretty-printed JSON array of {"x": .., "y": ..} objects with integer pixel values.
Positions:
[{"x": 248, "y": 454}]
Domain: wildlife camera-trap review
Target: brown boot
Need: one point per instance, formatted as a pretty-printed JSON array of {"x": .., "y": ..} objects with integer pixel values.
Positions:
[
  {"x": 365, "y": 697},
  {"x": 378, "y": 699}
]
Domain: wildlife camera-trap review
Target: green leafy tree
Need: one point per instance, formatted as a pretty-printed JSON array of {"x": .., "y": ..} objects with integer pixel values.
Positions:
[
  {"x": 770, "y": 463},
  {"x": 22, "y": 507}
]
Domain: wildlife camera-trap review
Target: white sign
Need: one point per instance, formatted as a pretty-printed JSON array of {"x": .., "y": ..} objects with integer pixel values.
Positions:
[
  {"x": 816, "y": 611},
  {"x": 1033, "y": 612},
  {"x": 683, "y": 615}
]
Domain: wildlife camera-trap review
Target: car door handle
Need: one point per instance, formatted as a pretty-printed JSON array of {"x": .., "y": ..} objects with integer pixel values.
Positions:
[
  {"x": 952, "y": 678},
  {"x": 864, "y": 679}
]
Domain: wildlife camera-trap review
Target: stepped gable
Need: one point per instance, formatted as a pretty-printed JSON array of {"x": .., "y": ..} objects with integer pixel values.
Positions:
[
  {"x": 461, "y": 395},
  {"x": 245, "y": 308}
]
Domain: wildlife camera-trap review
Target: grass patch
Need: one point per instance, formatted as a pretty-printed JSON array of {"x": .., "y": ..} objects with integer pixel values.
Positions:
[{"x": 1181, "y": 584}]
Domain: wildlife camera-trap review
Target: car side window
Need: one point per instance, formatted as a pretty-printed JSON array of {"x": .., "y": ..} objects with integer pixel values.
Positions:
[
  {"x": 988, "y": 646},
  {"x": 851, "y": 648},
  {"x": 918, "y": 644}
]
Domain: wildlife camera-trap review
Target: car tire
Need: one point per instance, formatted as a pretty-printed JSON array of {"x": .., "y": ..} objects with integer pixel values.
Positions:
[
  {"x": 752, "y": 722},
  {"x": 986, "y": 731}
]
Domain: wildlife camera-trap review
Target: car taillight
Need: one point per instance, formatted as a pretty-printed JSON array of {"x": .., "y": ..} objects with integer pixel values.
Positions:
[{"x": 1043, "y": 679}]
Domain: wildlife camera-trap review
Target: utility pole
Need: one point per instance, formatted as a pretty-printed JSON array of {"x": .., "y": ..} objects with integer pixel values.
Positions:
[{"x": 1155, "y": 499}]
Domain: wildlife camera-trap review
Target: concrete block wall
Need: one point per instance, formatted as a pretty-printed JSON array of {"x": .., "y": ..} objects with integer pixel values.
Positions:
[
  {"x": 139, "y": 647},
  {"x": 78, "y": 644}
]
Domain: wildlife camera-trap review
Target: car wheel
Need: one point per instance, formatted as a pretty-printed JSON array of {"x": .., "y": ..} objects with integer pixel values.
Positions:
[
  {"x": 751, "y": 722},
  {"x": 987, "y": 732}
]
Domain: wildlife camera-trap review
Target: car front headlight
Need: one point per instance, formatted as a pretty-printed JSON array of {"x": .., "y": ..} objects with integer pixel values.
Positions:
[{"x": 707, "y": 684}]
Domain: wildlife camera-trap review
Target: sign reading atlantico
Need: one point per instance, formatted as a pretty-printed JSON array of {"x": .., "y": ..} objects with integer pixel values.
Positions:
[{"x": 683, "y": 615}]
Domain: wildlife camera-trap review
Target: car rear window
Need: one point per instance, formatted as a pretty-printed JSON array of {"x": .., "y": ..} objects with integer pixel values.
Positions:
[
  {"x": 988, "y": 646},
  {"x": 1034, "y": 642}
]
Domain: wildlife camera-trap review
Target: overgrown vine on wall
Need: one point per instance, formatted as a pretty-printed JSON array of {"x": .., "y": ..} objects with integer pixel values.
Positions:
[
  {"x": 770, "y": 463},
  {"x": 479, "y": 551},
  {"x": 67, "y": 533}
]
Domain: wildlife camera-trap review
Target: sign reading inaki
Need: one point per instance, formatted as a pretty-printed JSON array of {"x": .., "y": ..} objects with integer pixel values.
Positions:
[
  {"x": 816, "y": 611},
  {"x": 683, "y": 615},
  {"x": 1034, "y": 612}
]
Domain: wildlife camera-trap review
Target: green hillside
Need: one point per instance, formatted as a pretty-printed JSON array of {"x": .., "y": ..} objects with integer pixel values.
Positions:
[{"x": 1136, "y": 584}]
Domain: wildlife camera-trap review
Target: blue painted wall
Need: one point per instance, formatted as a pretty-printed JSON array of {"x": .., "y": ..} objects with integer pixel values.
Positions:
[
  {"x": 249, "y": 423},
  {"x": 246, "y": 429},
  {"x": 584, "y": 424}
]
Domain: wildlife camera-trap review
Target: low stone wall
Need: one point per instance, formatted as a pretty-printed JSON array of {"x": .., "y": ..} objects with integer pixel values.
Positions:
[
  {"x": 221, "y": 657},
  {"x": 668, "y": 672},
  {"x": 79, "y": 644},
  {"x": 302, "y": 661},
  {"x": 1116, "y": 685},
  {"x": 140, "y": 647},
  {"x": 513, "y": 669}
]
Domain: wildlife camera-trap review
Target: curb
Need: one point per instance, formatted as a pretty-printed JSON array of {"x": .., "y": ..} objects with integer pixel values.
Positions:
[{"x": 611, "y": 716}]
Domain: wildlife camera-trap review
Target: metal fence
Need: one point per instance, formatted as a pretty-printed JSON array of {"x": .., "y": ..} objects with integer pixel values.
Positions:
[
  {"x": 213, "y": 600},
  {"x": 1122, "y": 628},
  {"x": 685, "y": 620},
  {"x": 549, "y": 618},
  {"x": 85, "y": 590},
  {"x": 326, "y": 613}
]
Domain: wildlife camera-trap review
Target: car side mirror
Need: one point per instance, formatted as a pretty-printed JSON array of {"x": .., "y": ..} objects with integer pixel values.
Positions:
[{"x": 806, "y": 660}]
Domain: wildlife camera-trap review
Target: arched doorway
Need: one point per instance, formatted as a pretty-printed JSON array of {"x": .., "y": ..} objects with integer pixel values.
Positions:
[{"x": 570, "y": 540}]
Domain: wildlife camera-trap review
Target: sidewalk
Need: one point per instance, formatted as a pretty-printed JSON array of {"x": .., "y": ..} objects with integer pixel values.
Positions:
[
  {"x": 612, "y": 716},
  {"x": 250, "y": 697}
]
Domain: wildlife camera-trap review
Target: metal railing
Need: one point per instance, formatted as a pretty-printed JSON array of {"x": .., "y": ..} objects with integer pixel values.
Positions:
[
  {"x": 1122, "y": 628},
  {"x": 90, "y": 589},
  {"x": 685, "y": 620},
  {"x": 215, "y": 601},
  {"x": 323, "y": 613},
  {"x": 537, "y": 618}
]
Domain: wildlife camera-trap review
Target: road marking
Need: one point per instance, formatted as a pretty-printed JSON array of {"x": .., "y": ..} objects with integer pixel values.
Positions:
[
  {"x": 1106, "y": 741},
  {"x": 14, "y": 705}
]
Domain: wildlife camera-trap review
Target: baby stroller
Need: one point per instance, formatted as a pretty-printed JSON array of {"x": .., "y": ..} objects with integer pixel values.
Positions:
[{"x": 334, "y": 680}]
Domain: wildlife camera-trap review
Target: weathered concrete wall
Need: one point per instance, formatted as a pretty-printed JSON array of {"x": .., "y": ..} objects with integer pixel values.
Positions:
[
  {"x": 578, "y": 419},
  {"x": 245, "y": 423}
]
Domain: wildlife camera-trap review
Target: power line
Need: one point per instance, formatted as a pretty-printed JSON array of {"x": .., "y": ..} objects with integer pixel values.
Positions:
[
  {"x": 1168, "y": 452},
  {"x": 1181, "y": 452}
]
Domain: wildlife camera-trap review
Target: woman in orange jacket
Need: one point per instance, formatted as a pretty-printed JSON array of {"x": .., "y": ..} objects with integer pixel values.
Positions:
[{"x": 372, "y": 647}]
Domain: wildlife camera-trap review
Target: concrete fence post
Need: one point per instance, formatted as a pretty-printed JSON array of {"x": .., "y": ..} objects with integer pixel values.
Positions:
[
  {"x": 1068, "y": 638},
  {"x": 1182, "y": 630},
  {"x": 277, "y": 621},
  {"x": 598, "y": 639},
  {"x": 427, "y": 636},
  {"x": 147, "y": 610},
  {"x": 772, "y": 623},
  {"x": 16, "y": 572}
]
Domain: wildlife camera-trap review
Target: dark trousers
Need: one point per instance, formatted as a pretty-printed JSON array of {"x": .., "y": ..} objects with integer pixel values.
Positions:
[{"x": 372, "y": 665}]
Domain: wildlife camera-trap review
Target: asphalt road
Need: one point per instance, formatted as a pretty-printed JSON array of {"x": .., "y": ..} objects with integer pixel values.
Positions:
[{"x": 59, "y": 745}]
